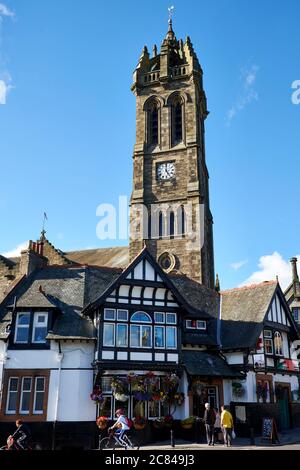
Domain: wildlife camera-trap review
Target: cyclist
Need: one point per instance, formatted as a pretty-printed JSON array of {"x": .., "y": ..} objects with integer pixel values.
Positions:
[
  {"x": 21, "y": 435},
  {"x": 121, "y": 426}
]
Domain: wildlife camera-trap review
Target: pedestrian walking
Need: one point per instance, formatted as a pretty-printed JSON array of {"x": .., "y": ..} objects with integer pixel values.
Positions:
[
  {"x": 209, "y": 421},
  {"x": 227, "y": 425}
]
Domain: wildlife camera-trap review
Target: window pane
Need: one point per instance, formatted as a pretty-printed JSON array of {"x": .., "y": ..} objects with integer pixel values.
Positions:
[
  {"x": 106, "y": 384},
  {"x": 23, "y": 319},
  {"x": 154, "y": 409},
  {"x": 159, "y": 336},
  {"x": 25, "y": 395},
  {"x": 141, "y": 317},
  {"x": 123, "y": 405},
  {"x": 138, "y": 408},
  {"x": 109, "y": 314},
  {"x": 159, "y": 317},
  {"x": 108, "y": 335},
  {"x": 105, "y": 408},
  {"x": 41, "y": 318},
  {"x": 39, "y": 402},
  {"x": 22, "y": 334},
  {"x": 122, "y": 315},
  {"x": 135, "y": 335},
  {"x": 122, "y": 339},
  {"x": 40, "y": 384},
  {"x": 171, "y": 318},
  {"x": 39, "y": 334},
  {"x": 170, "y": 337},
  {"x": 201, "y": 325},
  {"x": 146, "y": 336},
  {"x": 269, "y": 346},
  {"x": 11, "y": 406}
]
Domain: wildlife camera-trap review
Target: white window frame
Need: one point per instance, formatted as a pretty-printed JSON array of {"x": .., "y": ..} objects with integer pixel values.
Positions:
[
  {"x": 280, "y": 335},
  {"x": 168, "y": 322},
  {"x": 35, "y": 325},
  {"x": 160, "y": 322},
  {"x": 17, "y": 326},
  {"x": 122, "y": 310},
  {"x": 164, "y": 336},
  {"x": 7, "y": 411},
  {"x": 21, "y": 411},
  {"x": 141, "y": 321},
  {"x": 174, "y": 328},
  {"x": 114, "y": 335},
  {"x": 140, "y": 325},
  {"x": 201, "y": 327},
  {"x": 34, "y": 411},
  {"x": 268, "y": 334},
  {"x": 109, "y": 319}
]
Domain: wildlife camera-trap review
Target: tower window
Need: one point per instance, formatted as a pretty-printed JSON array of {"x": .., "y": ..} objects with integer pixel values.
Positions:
[
  {"x": 172, "y": 225},
  {"x": 153, "y": 124},
  {"x": 160, "y": 225},
  {"x": 177, "y": 122}
]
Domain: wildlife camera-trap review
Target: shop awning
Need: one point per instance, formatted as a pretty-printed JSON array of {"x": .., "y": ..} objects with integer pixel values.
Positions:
[{"x": 207, "y": 364}]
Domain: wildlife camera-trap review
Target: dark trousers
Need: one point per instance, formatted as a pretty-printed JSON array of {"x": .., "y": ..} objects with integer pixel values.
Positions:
[
  {"x": 210, "y": 433},
  {"x": 227, "y": 436}
]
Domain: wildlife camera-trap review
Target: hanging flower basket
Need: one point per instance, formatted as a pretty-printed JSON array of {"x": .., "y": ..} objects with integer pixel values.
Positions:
[
  {"x": 121, "y": 397},
  {"x": 168, "y": 421},
  {"x": 158, "y": 423},
  {"x": 188, "y": 422},
  {"x": 96, "y": 395},
  {"x": 102, "y": 422}
]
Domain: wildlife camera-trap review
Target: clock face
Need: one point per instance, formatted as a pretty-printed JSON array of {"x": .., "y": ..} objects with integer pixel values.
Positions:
[{"x": 166, "y": 171}]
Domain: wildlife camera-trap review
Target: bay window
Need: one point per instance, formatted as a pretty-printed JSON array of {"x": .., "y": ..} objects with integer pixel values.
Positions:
[{"x": 140, "y": 329}]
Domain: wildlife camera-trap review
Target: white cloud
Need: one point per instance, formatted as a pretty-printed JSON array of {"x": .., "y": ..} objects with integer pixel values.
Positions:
[
  {"x": 5, "y": 11},
  {"x": 5, "y": 87},
  {"x": 271, "y": 266},
  {"x": 16, "y": 251},
  {"x": 238, "y": 264},
  {"x": 247, "y": 94}
]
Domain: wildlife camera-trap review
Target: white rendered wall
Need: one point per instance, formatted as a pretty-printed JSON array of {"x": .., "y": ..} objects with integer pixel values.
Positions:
[{"x": 234, "y": 358}]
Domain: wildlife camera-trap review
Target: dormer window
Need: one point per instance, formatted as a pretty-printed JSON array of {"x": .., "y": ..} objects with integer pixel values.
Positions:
[
  {"x": 31, "y": 328},
  {"x": 195, "y": 324}
]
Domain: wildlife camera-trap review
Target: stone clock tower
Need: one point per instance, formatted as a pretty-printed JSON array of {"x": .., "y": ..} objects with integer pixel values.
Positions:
[{"x": 170, "y": 211}]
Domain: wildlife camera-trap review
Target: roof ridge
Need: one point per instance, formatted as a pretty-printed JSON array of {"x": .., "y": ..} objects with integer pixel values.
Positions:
[{"x": 250, "y": 286}]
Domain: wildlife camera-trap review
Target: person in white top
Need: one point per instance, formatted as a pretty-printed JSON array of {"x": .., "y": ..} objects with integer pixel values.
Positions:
[{"x": 120, "y": 426}]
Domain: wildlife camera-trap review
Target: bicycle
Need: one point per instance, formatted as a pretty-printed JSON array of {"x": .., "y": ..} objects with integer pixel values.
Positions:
[{"x": 112, "y": 441}]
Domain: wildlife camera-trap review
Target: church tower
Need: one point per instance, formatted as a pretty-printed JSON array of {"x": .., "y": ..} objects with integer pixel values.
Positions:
[{"x": 170, "y": 211}]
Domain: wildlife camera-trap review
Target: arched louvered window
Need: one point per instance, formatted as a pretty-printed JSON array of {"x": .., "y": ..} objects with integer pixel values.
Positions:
[
  {"x": 177, "y": 121},
  {"x": 153, "y": 123}
]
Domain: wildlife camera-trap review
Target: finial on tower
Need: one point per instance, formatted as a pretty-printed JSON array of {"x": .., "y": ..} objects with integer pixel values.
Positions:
[
  {"x": 170, "y": 34},
  {"x": 43, "y": 232}
]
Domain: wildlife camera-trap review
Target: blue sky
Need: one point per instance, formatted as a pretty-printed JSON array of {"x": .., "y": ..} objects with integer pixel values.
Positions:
[{"x": 67, "y": 120}]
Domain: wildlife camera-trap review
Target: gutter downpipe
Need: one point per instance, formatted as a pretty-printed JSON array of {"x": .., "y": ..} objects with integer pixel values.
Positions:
[{"x": 60, "y": 356}]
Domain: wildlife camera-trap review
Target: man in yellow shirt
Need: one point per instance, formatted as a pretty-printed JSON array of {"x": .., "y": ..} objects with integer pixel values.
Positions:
[{"x": 227, "y": 425}]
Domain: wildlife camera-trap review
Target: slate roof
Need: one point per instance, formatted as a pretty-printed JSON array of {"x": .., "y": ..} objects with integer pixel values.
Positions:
[
  {"x": 115, "y": 257},
  {"x": 198, "y": 296},
  {"x": 67, "y": 289},
  {"x": 206, "y": 364},
  {"x": 243, "y": 311}
]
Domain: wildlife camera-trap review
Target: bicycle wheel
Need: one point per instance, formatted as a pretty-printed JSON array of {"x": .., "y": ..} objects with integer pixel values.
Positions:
[
  {"x": 132, "y": 443},
  {"x": 107, "y": 443}
]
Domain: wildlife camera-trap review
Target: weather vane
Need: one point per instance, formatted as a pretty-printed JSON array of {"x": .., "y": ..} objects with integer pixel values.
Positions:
[{"x": 170, "y": 9}]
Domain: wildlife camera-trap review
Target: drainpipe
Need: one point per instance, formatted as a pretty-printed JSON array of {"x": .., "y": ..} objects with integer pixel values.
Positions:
[
  {"x": 60, "y": 356},
  {"x": 3, "y": 359}
]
